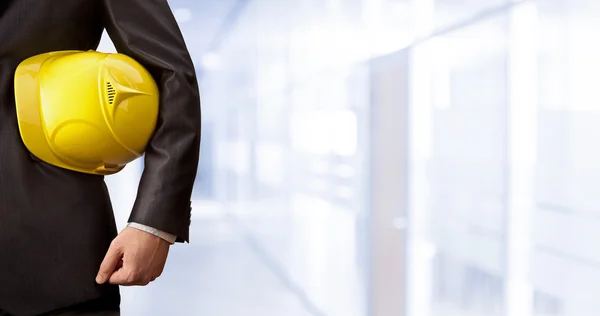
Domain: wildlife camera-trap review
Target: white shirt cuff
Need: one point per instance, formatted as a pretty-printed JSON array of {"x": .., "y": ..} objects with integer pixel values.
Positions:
[{"x": 170, "y": 238}]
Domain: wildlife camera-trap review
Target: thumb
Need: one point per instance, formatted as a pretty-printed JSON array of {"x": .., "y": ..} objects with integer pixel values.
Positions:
[{"x": 112, "y": 258}]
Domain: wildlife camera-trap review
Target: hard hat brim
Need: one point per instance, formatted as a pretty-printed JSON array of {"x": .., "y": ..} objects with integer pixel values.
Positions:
[{"x": 27, "y": 98}]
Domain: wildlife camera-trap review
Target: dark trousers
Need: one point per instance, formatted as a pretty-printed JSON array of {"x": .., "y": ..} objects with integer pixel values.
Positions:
[{"x": 106, "y": 306}]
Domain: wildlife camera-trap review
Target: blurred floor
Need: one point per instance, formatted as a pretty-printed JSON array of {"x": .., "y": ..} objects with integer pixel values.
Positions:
[
  {"x": 218, "y": 273},
  {"x": 313, "y": 245}
]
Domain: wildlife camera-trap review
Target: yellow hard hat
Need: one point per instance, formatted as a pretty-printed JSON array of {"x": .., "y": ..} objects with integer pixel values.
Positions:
[{"x": 85, "y": 111}]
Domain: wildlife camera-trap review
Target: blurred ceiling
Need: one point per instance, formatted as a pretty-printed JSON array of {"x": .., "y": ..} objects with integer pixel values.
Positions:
[
  {"x": 205, "y": 23},
  {"x": 236, "y": 30}
]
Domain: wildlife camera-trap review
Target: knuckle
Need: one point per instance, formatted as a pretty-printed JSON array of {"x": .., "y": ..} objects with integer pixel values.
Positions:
[
  {"x": 133, "y": 276},
  {"x": 115, "y": 243},
  {"x": 142, "y": 281}
]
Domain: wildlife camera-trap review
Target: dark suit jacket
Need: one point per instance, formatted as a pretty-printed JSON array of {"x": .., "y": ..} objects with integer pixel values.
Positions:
[{"x": 56, "y": 225}]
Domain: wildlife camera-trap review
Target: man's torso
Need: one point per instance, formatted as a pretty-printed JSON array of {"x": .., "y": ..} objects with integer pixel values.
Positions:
[{"x": 55, "y": 225}]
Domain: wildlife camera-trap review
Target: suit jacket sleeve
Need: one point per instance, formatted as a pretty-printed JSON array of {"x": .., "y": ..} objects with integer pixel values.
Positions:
[{"x": 147, "y": 31}]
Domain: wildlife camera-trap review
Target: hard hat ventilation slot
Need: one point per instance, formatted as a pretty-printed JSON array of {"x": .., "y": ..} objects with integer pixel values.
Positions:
[{"x": 111, "y": 93}]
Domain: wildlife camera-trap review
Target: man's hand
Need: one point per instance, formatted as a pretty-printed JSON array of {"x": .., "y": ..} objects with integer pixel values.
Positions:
[{"x": 134, "y": 257}]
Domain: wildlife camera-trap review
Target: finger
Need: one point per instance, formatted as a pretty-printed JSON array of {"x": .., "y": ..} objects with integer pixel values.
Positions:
[
  {"x": 120, "y": 277},
  {"x": 112, "y": 258},
  {"x": 127, "y": 277},
  {"x": 126, "y": 274}
]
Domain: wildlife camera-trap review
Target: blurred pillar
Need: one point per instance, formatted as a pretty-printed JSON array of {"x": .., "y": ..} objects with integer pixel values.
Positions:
[
  {"x": 522, "y": 148},
  {"x": 388, "y": 189},
  {"x": 420, "y": 250}
]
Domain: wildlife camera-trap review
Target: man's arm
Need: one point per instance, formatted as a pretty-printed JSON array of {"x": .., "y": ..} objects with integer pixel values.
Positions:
[{"x": 147, "y": 31}]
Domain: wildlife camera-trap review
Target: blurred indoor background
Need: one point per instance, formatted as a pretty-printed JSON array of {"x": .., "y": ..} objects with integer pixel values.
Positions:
[{"x": 388, "y": 158}]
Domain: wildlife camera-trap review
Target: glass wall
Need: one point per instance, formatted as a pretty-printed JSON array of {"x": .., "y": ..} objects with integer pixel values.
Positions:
[
  {"x": 565, "y": 220},
  {"x": 496, "y": 211},
  {"x": 464, "y": 208}
]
